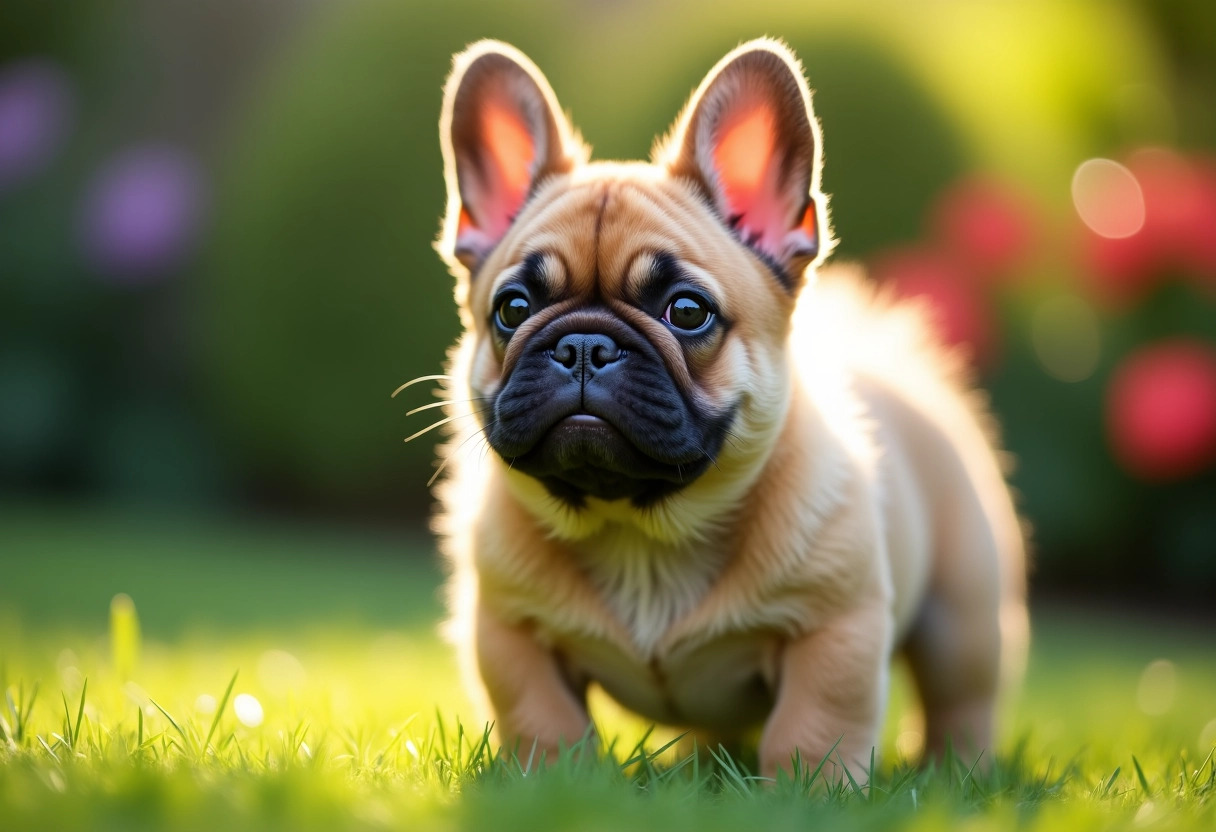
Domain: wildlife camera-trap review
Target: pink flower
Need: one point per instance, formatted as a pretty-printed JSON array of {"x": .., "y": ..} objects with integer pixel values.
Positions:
[
  {"x": 986, "y": 224},
  {"x": 1161, "y": 410}
]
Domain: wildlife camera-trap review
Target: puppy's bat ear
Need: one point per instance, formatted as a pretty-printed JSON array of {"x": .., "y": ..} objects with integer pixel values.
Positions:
[
  {"x": 501, "y": 132},
  {"x": 749, "y": 140}
]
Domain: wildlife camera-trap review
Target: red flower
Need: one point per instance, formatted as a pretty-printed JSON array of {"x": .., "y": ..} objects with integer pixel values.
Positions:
[
  {"x": 957, "y": 306},
  {"x": 986, "y": 224},
  {"x": 1161, "y": 410},
  {"x": 1197, "y": 235},
  {"x": 1120, "y": 270}
]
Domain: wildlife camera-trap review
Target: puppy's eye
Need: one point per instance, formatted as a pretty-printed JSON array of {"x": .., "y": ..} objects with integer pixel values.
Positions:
[
  {"x": 513, "y": 310},
  {"x": 687, "y": 312}
]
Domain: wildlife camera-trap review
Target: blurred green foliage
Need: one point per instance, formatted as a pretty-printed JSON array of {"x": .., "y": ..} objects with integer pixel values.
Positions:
[{"x": 259, "y": 369}]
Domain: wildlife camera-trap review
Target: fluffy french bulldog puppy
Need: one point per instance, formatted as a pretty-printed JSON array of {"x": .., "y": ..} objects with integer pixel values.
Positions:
[{"x": 723, "y": 487}]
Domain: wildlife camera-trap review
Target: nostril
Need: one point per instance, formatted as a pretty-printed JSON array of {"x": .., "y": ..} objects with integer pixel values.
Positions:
[
  {"x": 604, "y": 354},
  {"x": 565, "y": 354}
]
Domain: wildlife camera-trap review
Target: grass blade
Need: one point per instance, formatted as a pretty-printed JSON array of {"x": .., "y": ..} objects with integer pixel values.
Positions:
[
  {"x": 822, "y": 762},
  {"x": 80, "y": 713},
  {"x": 852, "y": 782},
  {"x": 48, "y": 748},
  {"x": 1140, "y": 775},
  {"x": 219, "y": 712},
  {"x": 173, "y": 722}
]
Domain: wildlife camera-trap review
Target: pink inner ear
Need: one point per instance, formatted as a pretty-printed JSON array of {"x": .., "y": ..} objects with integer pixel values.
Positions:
[
  {"x": 749, "y": 168},
  {"x": 509, "y": 153}
]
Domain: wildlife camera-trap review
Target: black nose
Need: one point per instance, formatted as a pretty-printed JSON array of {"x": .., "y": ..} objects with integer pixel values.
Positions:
[{"x": 585, "y": 354}]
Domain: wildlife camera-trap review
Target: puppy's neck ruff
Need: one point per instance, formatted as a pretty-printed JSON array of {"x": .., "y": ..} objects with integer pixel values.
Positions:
[{"x": 649, "y": 586}]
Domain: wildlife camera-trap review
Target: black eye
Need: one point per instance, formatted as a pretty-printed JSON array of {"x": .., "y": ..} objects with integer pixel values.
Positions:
[
  {"x": 513, "y": 310},
  {"x": 687, "y": 312}
]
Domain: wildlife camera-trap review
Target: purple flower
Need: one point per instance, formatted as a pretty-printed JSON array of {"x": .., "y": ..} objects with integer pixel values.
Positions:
[
  {"x": 35, "y": 112},
  {"x": 141, "y": 213}
]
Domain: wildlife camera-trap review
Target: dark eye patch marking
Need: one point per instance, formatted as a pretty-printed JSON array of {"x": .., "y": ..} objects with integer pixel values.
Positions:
[
  {"x": 535, "y": 275},
  {"x": 651, "y": 292},
  {"x": 665, "y": 279}
]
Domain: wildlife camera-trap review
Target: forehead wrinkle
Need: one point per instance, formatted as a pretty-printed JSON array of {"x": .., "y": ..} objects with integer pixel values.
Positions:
[
  {"x": 664, "y": 224},
  {"x": 556, "y": 226},
  {"x": 684, "y": 224},
  {"x": 635, "y": 229}
]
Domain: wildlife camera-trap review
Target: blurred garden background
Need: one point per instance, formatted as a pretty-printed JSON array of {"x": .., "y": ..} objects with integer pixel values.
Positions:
[{"x": 216, "y": 226}]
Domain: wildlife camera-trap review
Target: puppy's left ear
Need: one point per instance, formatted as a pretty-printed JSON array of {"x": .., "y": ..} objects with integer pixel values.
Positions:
[
  {"x": 501, "y": 132},
  {"x": 749, "y": 140}
]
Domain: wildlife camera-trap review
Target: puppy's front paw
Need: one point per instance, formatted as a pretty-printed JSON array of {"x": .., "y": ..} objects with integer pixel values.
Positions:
[{"x": 783, "y": 758}]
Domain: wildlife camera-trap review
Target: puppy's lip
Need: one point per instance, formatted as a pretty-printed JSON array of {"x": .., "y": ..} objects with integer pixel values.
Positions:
[{"x": 583, "y": 420}]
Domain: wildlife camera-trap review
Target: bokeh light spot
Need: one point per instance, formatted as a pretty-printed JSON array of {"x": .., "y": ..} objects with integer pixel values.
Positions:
[
  {"x": 1207, "y": 736},
  {"x": 1108, "y": 198},
  {"x": 248, "y": 710},
  {"x": 142, "y": 212},
  {"x": 1066, "y": 339},
  {"x": 205, "y": 704},
  {"x": 280, "y": 672},
  {"x": 35, "y": 112},
  {"x": 1158, "y": 685}
]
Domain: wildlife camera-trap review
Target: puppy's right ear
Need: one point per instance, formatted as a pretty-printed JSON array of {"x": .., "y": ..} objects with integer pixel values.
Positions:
[
  {"x": 501, "y": 132},
  {"x": 749, "y": 140}
]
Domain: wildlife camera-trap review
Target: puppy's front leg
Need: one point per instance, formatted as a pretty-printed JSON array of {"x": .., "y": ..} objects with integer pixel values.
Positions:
[
  {"x": 832, "y": 687},
  {"x": 533, "y": 703}
]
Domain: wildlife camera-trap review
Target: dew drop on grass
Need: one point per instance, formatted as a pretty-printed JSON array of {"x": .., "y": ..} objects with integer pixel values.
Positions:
[{"x": 248, "y": 710}]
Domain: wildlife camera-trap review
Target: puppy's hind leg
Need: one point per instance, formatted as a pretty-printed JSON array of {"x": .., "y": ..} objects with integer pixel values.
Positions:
[
  {"x": 955, "y": 659},
  {"x": 956, "y": 643}
]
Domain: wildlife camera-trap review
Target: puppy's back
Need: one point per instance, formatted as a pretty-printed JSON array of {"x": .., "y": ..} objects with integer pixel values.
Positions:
[{"x": 937, "y": 442}]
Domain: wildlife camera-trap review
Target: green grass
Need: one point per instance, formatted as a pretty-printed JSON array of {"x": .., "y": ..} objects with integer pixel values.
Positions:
[{"x": 109, "y": 726}]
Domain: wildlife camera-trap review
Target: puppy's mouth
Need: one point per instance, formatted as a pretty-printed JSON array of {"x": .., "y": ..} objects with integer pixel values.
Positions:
[{"x": 586, "y": 455}]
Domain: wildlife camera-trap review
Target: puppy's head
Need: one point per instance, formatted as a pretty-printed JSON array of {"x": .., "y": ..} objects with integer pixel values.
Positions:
[{"x": 626, "y": 324}]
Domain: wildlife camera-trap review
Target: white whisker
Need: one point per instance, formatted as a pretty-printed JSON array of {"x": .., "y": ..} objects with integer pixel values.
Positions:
[
  {"x": 442, "y": 403},
  {"x": 418, "y": 381},
  {"x": 434, "y": 425},
  {"x": 430, "y": 406},
  {"x": 431, "y": 427}
]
